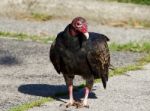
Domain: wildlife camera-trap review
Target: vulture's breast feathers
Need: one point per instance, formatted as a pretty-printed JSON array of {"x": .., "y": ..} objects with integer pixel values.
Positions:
[{"x": 77, "y": 55}]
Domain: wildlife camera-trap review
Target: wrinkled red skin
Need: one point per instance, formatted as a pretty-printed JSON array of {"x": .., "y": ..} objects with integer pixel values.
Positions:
[
  {"x": 80, "y": 21},
  {"x": 84, "y": 28}
]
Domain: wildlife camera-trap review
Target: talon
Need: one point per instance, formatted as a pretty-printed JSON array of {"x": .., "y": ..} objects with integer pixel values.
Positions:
[
  {"x": 60, "y": 105},
  {"x": 86, "y": 106},
  {"x": 68, "y": 105},
  {"x": 81, "y": 105},
  {"x": 77, "y": 104}
]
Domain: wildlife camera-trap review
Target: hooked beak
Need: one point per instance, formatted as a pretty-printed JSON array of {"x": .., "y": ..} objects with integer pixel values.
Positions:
[{"x": 86, "y": 35}]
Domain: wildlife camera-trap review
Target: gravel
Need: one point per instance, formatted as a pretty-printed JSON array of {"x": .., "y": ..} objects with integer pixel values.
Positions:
[
  {"x": 91, "y": 9},
  {"x": 27, "y": 75},
  {"x": 116, "y": 34},
  {"x": 128, "y": 92}
]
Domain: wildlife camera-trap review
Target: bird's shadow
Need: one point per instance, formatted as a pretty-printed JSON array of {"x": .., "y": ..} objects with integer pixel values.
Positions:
[{"x": 58, "y": 92}]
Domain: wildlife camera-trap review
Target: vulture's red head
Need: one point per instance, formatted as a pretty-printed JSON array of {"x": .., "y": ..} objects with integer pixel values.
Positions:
[{"x": 80, "y": 25}]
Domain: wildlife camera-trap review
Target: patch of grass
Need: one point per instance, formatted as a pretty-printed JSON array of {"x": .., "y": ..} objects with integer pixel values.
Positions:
[
  {"x": 34, "y": 16},
  {"x": 27, "y": 106},
  {"x": 144, "y": 60},
  {"x": 41, "y": 16},
  {"x": 145, "y": 24},
  {"x": 132, "y": 46},
  {"x": 122, "y": 70},
  {"x": 138, "y": 23},
  {"x": 137, "y": 66},
  {"x": 142, "y": 2},
  {"x": 38, "y": 103},
  {"x": 23, "y": 36},
  {"x": 129, "y": 23}
]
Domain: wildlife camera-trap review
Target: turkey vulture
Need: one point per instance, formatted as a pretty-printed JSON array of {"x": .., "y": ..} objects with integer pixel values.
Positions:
[{"x": 76, "y": 51}]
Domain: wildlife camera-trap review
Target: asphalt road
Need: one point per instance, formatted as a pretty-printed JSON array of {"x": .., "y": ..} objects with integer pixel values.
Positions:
[
  {"x": 26, "y": 73},
  {"x": 129, "y": 92},
  {"x": 51, "y": 28}
]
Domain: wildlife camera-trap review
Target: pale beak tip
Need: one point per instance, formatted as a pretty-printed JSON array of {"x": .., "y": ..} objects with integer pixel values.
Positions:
[{"x": 86, "y": 35}]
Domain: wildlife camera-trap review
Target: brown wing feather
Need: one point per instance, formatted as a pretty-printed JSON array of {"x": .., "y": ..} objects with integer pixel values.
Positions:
[
  {"x": 54, "y": 57},
  {"x": 99, "y": 58}
]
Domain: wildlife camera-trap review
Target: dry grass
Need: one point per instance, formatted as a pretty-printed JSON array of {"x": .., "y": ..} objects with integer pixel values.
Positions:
[
  {"x": 41, "y": 17},
  {"x": 106, "y": 13},
  {"x": 128, "y": 23}
]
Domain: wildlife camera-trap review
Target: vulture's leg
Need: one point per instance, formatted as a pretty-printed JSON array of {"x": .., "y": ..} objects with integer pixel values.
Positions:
[
  {"x": 85, "y": 101},
  {"x": 69, "y": 83},
  {"x": 70, "y": 89},
  {"x": 89, "y": 85}
]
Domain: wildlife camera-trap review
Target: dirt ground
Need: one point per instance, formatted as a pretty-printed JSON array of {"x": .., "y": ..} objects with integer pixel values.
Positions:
[{"x": 129, "y": 92}]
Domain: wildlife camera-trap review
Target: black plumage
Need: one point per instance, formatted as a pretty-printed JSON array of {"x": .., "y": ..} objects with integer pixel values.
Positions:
[
  {"x": 75, "y": 53},
  {"x": 78, "y": 56}
]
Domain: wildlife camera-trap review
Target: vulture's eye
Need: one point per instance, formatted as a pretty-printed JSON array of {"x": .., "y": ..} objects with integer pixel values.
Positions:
[{"x": 78, "y": 24}]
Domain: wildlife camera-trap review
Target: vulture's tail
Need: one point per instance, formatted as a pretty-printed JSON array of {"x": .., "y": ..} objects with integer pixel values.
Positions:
[
  {"x": 104, "y": 76},
  {"x": 104, "y": 82}
]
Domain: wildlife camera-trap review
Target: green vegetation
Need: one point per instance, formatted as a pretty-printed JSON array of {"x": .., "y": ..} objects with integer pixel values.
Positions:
[
  {"x": 143, "y": 24},
  {"x": 134, "y": 23},
  {"x": 122, "y": 70},
  {"x": 139, "y": 65},
  {"x": 27, "y": 106},
  {"x": 143, "y": 2},
  {"x": 41, "y": 17},
  {"x": 144, "y": 60},
  {"x": 38, "y": 103},
  {"x": 131, "y": 46},
  {"x": 23, "y": 36}
]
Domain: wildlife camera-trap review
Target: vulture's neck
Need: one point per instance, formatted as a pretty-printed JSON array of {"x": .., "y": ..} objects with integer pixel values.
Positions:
[
  {"x": 74, "y": 35},
  {"x": 72, "y": 32}
]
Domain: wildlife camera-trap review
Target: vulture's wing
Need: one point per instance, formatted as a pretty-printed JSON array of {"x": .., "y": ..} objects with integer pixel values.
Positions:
[
  {"x": 55, "y": 52},
  {"x": 54, "y": 57},
  {"x": 99, "y": 58}
]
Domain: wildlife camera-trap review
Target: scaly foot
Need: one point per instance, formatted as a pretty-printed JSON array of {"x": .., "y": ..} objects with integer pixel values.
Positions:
[
  {"x": 69, "y": 104},
  {"x": 83, "y": 104}
]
